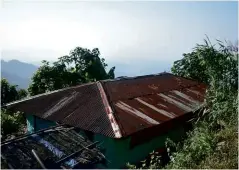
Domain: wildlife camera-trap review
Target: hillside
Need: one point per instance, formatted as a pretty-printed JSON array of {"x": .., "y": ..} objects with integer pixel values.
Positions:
[
  {"x": 20, "y": 73},
  {"x": 17, "y": 72}
]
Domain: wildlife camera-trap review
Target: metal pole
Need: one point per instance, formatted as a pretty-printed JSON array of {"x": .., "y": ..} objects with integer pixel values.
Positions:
[
  {"x": 38, "y": 159},
  {"x": 73, "y": 154}
]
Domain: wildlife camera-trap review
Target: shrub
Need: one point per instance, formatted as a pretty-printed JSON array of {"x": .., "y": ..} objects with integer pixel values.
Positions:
[
  {"x": 213, "y": 142},
  {"x": 11, "y": 123}
]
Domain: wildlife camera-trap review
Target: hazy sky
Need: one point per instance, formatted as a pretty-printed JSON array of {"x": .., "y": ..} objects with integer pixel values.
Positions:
[{"x": 146, "y": 31}]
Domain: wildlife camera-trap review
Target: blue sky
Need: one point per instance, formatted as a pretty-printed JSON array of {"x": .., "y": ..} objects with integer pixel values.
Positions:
[{"x": 130, "y": 35}]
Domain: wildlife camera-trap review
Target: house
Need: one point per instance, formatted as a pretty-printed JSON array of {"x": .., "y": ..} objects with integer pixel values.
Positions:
[{"x": 130, "y": 116}]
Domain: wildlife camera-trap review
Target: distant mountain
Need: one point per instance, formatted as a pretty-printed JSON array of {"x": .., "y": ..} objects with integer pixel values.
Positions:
[
  {"x": 140, "y": 67},
  {"x": 19, "y": 68},
  {"x": 20, "y": 73},
  {"x": 17, "y": 72},
  {"x": 15, "y": 80}
]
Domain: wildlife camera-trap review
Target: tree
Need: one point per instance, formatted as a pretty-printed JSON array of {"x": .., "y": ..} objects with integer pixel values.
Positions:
[
  {"x": 22, "y": 93},
  {"x": 9, "y": 93},
  {"x": 212, "y": 142},
  {"x": 11, "y": 122},
  {"x": 80, "y": 66},
  {"x": 210, "y": 65}
]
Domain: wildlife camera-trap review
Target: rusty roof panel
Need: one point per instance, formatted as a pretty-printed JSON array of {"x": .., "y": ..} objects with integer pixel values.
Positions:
[
  {"x": 150, "y": 101},
  {"x": 145, "y": 86},
  {"x": 145, "y": 109},
  {"x": 121, "y": 107},
  {"x": 132, "y": 123},
  {"x": 80, "y": 106}
]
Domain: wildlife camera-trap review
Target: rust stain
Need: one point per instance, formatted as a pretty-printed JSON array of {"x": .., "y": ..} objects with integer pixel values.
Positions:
[
  {"x": 153, "y": 87},
  {"x": 134, "y": 111},
  {"x": 121, "y": 107},
  {"x": 157, "y": 109},
  {"x": 152, "y": 99}
]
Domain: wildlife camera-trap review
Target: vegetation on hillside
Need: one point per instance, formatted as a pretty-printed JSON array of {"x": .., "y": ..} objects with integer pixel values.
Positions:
[
  {"x": 11, "y": 122},
  {"x": 80, "y": 66},
  {"x": 213, "y": 141},
  {"x": 10, "y": 92}
]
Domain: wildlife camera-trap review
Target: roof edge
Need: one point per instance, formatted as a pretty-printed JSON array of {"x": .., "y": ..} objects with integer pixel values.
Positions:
[
  {"x": 43, "y": 94},
  {"x": 109, "y": 112},
  {"x": 136, "y": 77}
]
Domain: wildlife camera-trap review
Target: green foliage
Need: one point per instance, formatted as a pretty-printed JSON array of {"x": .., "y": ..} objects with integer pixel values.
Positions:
[
  {"x": 11, "y": 123},
  {"x": 22, "y": 93},
  {"x": 211, "y": 65},
  {"x": 225, "y": 155},
  {"x": 207, "y": 148},
  {"x": 10, "y": 93},
  {"x": 80, "y": 66},
  {"x": 153, "y": 162},
  {"x": 130, "y": 166},
  {"x": 196, "y": 147},
  {"x": 213, "y": 142}
]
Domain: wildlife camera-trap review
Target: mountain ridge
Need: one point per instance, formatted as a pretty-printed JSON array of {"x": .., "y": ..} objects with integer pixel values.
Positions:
[
  {"x": 17, "y": 72},
  {"x": 20, "y": 73}
]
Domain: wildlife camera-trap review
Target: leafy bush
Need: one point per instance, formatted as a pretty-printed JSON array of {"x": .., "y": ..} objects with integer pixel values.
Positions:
[
  {"x": 11, "y": 123},
  {"x": 10, "y": 92},
  {"x": 225, "y": 156},
  {"x": 216, "y": 67},
  {"x": 213, "y": 142},
  {"x": 206, "y": 148},
  {"x": 80, "y": 66},
  {"x": 153, "y": 162}
]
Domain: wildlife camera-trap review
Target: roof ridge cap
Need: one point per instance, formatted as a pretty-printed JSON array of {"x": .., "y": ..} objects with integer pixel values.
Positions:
[{"x": 109, "y": 111}]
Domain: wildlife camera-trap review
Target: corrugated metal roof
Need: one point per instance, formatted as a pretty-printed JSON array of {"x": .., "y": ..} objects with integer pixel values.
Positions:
[
  {"x": 149, "y": 101},
  {"x": 79, "y": 106},
  {"x": 121, "y": 107}
]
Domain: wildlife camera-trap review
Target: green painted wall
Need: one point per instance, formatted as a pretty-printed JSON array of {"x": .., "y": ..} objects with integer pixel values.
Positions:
[
  {"x": 30, "y": 123},
  {"x": 139, "y": 152},
  {"x": 35, "y": 124},
  {"x": 117, "y": 151}
]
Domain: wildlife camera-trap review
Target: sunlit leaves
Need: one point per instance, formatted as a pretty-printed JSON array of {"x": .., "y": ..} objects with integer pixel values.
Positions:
[
  {"x": 209, "y": 64},
  {"x": 10, "y": 92},
  {"x": 80, "y": 66},
  {"x": 212, "y": 143}
]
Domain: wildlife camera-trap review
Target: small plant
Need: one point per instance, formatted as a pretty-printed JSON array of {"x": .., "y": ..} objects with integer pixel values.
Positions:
[
  {"x": 213, "y": 141},
  {"x": 11, "y": 123},
  {"x": 152, "y": 162}
]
